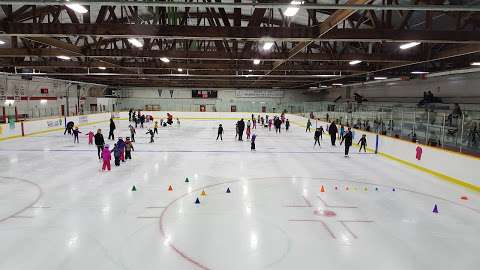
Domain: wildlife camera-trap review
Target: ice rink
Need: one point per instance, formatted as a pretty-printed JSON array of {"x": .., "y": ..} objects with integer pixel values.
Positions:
[{"x": 59, "y": 211}]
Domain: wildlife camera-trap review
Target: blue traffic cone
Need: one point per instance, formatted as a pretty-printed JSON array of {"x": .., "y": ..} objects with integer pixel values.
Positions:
[
  {"x": 435, "y": 209},
  {"x": 197, "y": 201},
  {"x": 393, "y": 189},
  {"x": 228, "y": 190},
  {"x": 376, "y": 189}
]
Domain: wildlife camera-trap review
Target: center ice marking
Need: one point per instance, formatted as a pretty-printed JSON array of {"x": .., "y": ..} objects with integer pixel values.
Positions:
[{"x": 328, "y": 213}]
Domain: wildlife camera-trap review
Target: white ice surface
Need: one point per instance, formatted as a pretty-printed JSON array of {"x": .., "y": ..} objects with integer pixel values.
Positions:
[{"x": 58, "y": 211}]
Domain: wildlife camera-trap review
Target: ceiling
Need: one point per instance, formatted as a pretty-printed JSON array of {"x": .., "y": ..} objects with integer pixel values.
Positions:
[{"x": 212, "y": 44}]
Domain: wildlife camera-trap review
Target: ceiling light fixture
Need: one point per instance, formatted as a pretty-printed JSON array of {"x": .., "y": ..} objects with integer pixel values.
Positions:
[
  {"x": 419, "y": 72},
  {"x": 354, "y": 62},
  {"x": 63, "y": 57},
  {"x": 380, "y": 78},
  {"x": 2, "y": 42},
  {"x": 135, "y": 42},
  {"x": 475, "y": 64},
  {"x": 256, "y": 61},
  {"x": 292, "y": 10},
  {"x": 326, "y": 75},
  {"x": 77, "y": 8},
  {"x": 337, "y": 84},
  {"x": 180, "y": 69},
  {"x": 267, "y": 45},
  {"x": 165, "y": 60},
  {"x": 409, "y": 45},
  {"x": 102, "y": 68}
]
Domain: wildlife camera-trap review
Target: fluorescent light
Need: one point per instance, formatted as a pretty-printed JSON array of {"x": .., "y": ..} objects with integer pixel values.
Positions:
[
  {"x": 256, "y": 61},
  {"x": 409, "y": 45},
  {"x": 354, "y": 62},
  {"x": 165, "y": 60},
  {"x": 63, "y": 57},
  {"x": 43, "y": 101},
  {"x": 292, "y": 10},
  {"x": 2, "y": 42},
  {"x": 380, "y": 78},
  {"x": 77, "y": 8},
  {"x": 250, "y": 70},
  {"x": 9, "y": 102},
  {"x": 180, "y": 69},
  {"x": 267, "y": 45},
  {"x": 102, "y": 68},
  {"x": 419, "y": 72},
  {"x": 475, "y": 64},
  {"x": 135, "y": 42},
  {"x": 337, "y": 84},
  {"x": 326, "y": 75}
]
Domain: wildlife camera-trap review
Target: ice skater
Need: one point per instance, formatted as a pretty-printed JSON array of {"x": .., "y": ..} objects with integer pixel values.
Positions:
[
  {"x": 69, "y": 128},
  {"x": 270, "y": 124},
  {"x": 321, "y": 132},
  {"x": 142, "y": 120},
  {"x": 316, "y": 136},
  {"x": 75, "y": 135},
  {"x": 241, "y": 128},
  {"x": 254, "y": 126},
  {"x": 309, "y": 124},
  {"x": 348, "y": 138},
  {"x": 99, "y": 142},
  {"x": 363, "y": 143},
  {"x": 178, "y": 121},
  {"x": 342, "y": 131},
  {"x": 121, "y": 147},
  {"x": 112, "y": 128},
  {"x": 332, "y": 130},
  {"x": 155, "y": 128},
  {"x": 90, "y": 137},
  {"x": 220, "y": 132},
  {"x": 252, "y": 142},
  {"x": 116, "y": 154},
  {"x": 132, "y": 132},
  {"x": 106, "y": 156},
  {"x": 128, "y": 148},
  {"x": 249, "y": 130},
  {"x": 278, "y": 125},
  {"x": 287, "y": 125},
  {"x": 150, "y": 131}
]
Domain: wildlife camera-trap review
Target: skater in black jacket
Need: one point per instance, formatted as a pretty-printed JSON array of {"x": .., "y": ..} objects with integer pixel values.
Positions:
[{"x": 348, "y": 138}]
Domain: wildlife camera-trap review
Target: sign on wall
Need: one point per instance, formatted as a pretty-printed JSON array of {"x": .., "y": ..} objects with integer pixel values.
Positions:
[
  {"x": 259, "y": 93},
  {"x": 54, "y": 123}
]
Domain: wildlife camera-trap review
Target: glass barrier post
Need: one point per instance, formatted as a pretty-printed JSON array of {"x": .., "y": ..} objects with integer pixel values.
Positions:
[
  {"x": 461, "y": 133},
  {"x": 426, "y": 129},
  {"x": 443, "y": 132}
]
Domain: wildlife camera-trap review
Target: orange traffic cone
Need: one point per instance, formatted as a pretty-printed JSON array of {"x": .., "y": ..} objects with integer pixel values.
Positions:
[{"x": 170, "y": 188}]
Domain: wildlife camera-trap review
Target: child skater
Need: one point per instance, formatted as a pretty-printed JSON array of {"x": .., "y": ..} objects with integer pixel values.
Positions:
[
  {"x": 151, "y": 135},
  {"x": 178, "y": 121},
  {"x": 155, "y": 128},
  {"x": 248, "y": 130},
  {"x": 90, "y": 137},
  {"x": 75, "y": 135},
  {"x": 309, "y": 124},
  {"x": 220, "y": 132},
  {"x": 106, "y": 156},
  {"x": 316, "y": 136},
  {"x": 287, "y": 125},
  {"x": 363, "y": 143},
  {"x": 270, "y": 124},
  {"x": 132, "y": 132},
  {"x": 252, "y": 142},
  {"x": 128, "y": 148},
  {"x": 321, "y": 132},
  {"x": 116, "y": 154},
  {"x": 121, "y": 147},
  {"x": 254, "y": 123}
]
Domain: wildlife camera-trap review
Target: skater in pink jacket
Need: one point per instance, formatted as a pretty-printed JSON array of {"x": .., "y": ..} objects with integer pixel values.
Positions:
[
  {"x": 90, "y": 137},
  {"x": 106, "y": 156}
]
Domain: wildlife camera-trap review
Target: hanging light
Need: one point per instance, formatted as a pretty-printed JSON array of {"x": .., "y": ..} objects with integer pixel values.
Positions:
[
  {"x": 77, "y": 8},
  {"x": 409, "y": 45},
  {"x": 135, "y": 42}
]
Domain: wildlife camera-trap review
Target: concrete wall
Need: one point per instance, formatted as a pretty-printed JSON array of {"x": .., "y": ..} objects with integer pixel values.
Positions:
[
  {"x": 27, "y": 97},
  {"x": 181, "y": 100}
]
